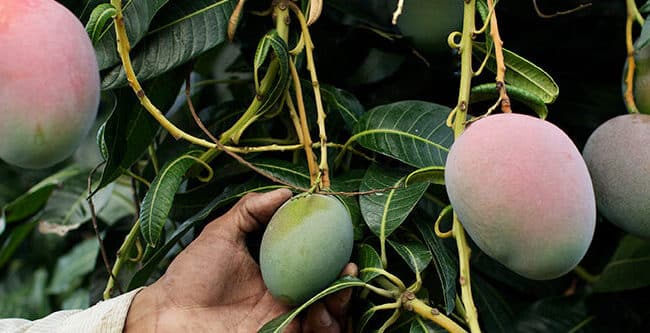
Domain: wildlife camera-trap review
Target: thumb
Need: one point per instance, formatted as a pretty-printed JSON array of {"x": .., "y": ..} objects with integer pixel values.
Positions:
[{"x": 251, "y": 211}]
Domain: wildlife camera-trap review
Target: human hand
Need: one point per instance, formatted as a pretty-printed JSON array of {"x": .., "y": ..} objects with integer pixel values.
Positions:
[{"x": 214, "y": 285}]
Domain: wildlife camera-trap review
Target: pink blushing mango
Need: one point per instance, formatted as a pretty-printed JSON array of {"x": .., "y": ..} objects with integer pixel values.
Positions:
[
  {"x": 523, "y": 193},
  {"x": 50, "y": 86}
]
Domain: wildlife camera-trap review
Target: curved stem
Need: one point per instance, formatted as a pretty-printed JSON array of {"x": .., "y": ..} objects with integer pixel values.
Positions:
[
  {"x": 123, "y": 49},
  {"x": 122, "y": 256},
  {"x": 306, "y": 138}
]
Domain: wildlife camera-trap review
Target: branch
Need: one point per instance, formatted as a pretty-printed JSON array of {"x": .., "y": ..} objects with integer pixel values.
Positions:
[
  {"x": 501, "y": 66},
  {"x": 423, "y": 310}
]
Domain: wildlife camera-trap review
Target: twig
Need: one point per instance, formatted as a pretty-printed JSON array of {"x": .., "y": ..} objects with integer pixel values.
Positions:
[
  {"x": 558, "y": 13},
  {"x": 398, "y": 11},
  {"x": 311, "y": 67},
  {"x": 471, "y": 315},
  {"x": 190, "y": 105},
  {"x": 501, "y": 66},
  {"x": 632, "y": 15},
  {"x": 418, "y": 306},
  {"x": 306, "y": 138},
  {"x": 93, "y": 218}
]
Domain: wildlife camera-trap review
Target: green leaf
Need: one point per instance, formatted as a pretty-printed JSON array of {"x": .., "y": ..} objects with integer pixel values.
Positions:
[
  {"x": 349, "y": 182},
  {"x": 22, "y": 292},
  {"x": 496, "y": 314},
  {"x": 138, "y": 14},
  {"x": 433, "y": 175},
  {"x": 73, "y": 267},
  {"x": 523, "y": 74},
  {"x": 68, "y": 207},
  {"x": 100, "y": 20},
  {"x": 183, "y": 30},
  {"x": 293, "y": 174},
  {"x": 368, "y": 257},
  {"x": 32, "y": 201},
  {"x": 413, "y": 132},
  {"x": 554, "y": 314},
  {"x": 13, "y": 239},
  {"x": 386, "y": 211},
  {"x": 486, "y": 92},
  {"x": 159, "y": 199},
  {"x": 78, "y": 299},
  {"x": 644, "y": 36},
  {"x": 414, "y": 253},
  {"x": 343, "y": 102},
  {"x": 446, "y": 267},
  {"x": 119, "y": 205},
  {"x": 629, "y": 267},
  {"x": 278, "y": 324},
  {"x": 130, "y": 129}
]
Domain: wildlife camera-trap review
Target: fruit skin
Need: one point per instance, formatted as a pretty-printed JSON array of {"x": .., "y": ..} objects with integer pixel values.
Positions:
[
  {"x": 428, "y": 23},
  {"x": 523, "y": 193},
  {"x": 50, "y": 83},
  {"x": 305, "y": 246},
  {"x": 618, "y": 156}
]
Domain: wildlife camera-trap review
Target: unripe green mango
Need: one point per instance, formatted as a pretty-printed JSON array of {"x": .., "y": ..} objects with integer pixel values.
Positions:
[
  {"x": 428, "y": 23},
  {"x": 49, "y": 83},
  {"x": 305, "y": 246},
  {"x": 523, "y": 193},
  {"x": 618, "y": 156}
]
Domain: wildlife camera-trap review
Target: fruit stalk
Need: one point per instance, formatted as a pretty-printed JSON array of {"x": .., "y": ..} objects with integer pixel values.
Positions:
[
  {"x": 306, "y": 138},
  {"x": 311, "y": 67},
  {"x": 501, "y": 66},
  {"x": 458, "y": 125},
  {"x": 632, "y": 15},
  {"x": 425, "y": 311}
]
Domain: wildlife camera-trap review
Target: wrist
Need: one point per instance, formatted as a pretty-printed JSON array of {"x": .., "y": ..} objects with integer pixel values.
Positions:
[{"x": 143, "y": 312}]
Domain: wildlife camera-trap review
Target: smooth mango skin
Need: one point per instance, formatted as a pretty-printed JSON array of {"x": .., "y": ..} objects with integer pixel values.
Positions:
[
  {"x": 618, "y": 156},
  {"x": 428, "y": 23},
  {"x": 49, "y": 83},
  {"x": 305, "y": 246},
  {"x": 523, "y": 193}
]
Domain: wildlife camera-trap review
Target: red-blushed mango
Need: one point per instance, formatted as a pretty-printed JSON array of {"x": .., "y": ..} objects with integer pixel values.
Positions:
[
  {"x": 523, "y": 193},
  {"x": 49, "y": 83},
  {"x": 618, "y": 156},
  {"x": 305, "y": 246}
]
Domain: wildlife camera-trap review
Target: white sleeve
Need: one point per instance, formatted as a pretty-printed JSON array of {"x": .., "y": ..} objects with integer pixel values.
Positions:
[{"x": 104, "y": 317}]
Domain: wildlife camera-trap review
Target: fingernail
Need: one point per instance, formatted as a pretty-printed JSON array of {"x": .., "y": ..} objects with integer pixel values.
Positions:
[{"x": 325, "y": 319}]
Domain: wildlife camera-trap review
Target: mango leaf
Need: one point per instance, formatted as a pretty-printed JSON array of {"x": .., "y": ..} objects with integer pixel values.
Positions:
[
  {"x": 100, "y": 19},
  {"x": 293, "y": 174},
  {"x": 343, "y": 102},
  {"x": 386, "y": 211},
  {"x": 159, "y": 199},
  {"x": 554, "y": 314},
  {"x": 119, "y": 205},
  {"x": 368, "y": 257},
  {"x": 23, "y": 293},
  {"x": 228, "y": 195},
  {"x": 278, "y": 324},
  {"x": 138, "y": 14},
  {"x": 349, "y": 182},
  {"x": 629, "y": 267},
  {"x": 413, "y": 132},
  {"x": 446, "y": 267},
  {"x": 183, "y": 30},
  {"x": 78, "y": 299},
  {"x": 13, "y": 239},
  {"x": 487, "y": 92},
  {"x": 72, "y": 267},
  {"x": 496, "y": 314},
  {"x": 367, "y": 314},
  {"x": 522, "y": 74},
  {"x": 68, "y": 207},
  {"x": 271, "y": 40},
  {"x": 644, "y": 36},
  {"x": 32, "y": 201},
  {"x": 414, "y": 253},
  {"x": 130, "y": 129},
  {"x": 433, "y": 175}
]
